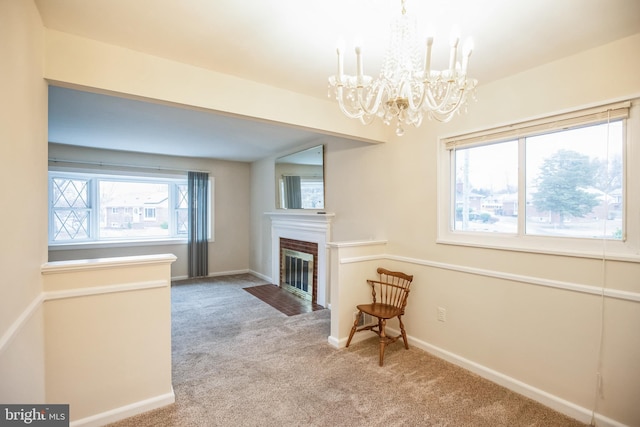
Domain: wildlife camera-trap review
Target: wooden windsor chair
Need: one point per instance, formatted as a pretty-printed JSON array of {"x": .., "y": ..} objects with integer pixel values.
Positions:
[{"x": 390, "y": 293}]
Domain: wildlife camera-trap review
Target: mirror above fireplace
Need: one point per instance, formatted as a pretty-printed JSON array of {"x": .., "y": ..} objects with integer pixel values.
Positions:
[{"x": 300, "y": 179}]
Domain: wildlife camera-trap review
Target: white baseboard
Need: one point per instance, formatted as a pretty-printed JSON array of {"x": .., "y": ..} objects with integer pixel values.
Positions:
[
  {"x": 229, "y": 273},
  {"x": 554, "y": 402},
  {"x": 261, "y": 276},
  {"x": 126, "y": 411},
  {"x": 341, "y": 343},
  {"x": 333, "y": 341},
  {"x": 220, "y": 273},
  {"x": 547, "y": 399}
]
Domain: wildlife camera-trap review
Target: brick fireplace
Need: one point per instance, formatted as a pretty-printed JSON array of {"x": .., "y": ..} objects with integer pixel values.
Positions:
[{"x": 302, "y": 232}]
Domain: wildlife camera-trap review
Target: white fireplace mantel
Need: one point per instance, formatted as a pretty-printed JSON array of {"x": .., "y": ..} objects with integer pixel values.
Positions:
[{"x": 307, "y": 227}]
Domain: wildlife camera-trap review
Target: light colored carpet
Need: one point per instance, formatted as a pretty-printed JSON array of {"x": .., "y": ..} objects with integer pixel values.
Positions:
[{"x": 237, "y": 361}]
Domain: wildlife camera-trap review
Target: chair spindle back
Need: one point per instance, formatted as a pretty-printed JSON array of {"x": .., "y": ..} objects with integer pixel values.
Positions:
[{"x": 392, "y": 288}]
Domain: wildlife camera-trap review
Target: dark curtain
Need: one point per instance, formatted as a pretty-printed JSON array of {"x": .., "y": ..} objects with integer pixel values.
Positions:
[
  {"x": 292, "y": 192},
  {"x": 197, "y": 246}
]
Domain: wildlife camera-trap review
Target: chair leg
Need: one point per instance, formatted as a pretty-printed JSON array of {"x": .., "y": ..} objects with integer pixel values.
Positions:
[
  {"x": 355, "y": 326},
  {"x": 383, "y": 339},
  {"x": 404, "y": 334}
]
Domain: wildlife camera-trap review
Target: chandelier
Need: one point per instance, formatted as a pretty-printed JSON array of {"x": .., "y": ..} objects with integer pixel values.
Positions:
[{"x": 407, "y": 88}]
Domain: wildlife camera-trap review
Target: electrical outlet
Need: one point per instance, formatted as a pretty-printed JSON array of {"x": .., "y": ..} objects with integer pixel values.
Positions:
[{"x": 442, "y": 314}]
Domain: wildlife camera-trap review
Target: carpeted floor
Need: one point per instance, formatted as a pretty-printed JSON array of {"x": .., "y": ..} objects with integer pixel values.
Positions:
[{"x": 237, "y": 361}]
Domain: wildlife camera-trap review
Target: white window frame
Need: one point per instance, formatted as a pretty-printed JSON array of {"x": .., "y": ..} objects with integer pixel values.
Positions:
[
  {"x": 627, "y": 249},
  {"x": 94, "y": 242}
]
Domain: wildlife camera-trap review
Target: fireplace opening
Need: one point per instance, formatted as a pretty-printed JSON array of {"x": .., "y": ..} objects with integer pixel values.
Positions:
[
  {"x": 298, "y": 268},
  {"x": 298, "y": 273}
]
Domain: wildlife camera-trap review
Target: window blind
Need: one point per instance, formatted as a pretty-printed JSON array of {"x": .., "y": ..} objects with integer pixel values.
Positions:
[{"x": 616, "y": 111}]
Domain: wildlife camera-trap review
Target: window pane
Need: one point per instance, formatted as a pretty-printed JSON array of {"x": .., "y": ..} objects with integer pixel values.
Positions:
[
  {"x": 70, "y": 224},
  {"x": 182, "y": 206},
  {"x": 70, "y": 193},
  {"x": 312, "y": 193},
  {"x": 133, "y": 209},
  {"x": 574, "y": 182},
  {"x": 70, "y": 213},
  {"x": 486, "y": 192}
]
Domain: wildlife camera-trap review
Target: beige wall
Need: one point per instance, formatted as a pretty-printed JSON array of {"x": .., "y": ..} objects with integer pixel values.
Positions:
[
  {"x": 541, "y": 339},
  {"x": 23, "y": 150},
  {"x": 228, "y": 252}
]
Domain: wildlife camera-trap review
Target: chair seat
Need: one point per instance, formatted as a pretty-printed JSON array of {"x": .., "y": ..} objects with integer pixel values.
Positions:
[{"x": 382, "y": 311}]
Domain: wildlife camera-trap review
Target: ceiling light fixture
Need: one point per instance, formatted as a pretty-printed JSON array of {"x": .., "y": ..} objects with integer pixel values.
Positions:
[{"x": 407, "y": 88}]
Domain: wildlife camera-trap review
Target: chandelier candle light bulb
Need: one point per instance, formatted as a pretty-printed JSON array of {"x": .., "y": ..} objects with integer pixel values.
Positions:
[
  {"x": 359, "y": 65},
  {"x": 427, "y": 61},
  {"x": 340, "y": 65},
  {"x": 404, "y": 93},
  {"x": 454, "y": 52},
  {"x": 466, "y": 53}
]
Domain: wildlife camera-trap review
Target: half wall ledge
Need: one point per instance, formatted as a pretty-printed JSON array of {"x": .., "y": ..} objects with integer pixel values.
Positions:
[
  {"x": 107, "y": 328},
  {"x": 100, "y": 263}
]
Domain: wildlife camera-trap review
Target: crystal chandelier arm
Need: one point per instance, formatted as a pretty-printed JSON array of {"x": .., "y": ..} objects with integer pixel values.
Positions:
[
  {"x": 373, "y": 103},
  {"x": 444, "y": 115},
  {"x": 424, "y": 88},
  {"x": 457, "y": 90},
  {"x": 431, "y": 102},
  {"x": 366, "y": 119},
  {"x": 343, "y": 107}
]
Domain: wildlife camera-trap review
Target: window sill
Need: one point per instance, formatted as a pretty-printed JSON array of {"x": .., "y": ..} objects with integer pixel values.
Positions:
[
  {"x": 578, "y": 248},
  {"x": 114, "y": 244}
]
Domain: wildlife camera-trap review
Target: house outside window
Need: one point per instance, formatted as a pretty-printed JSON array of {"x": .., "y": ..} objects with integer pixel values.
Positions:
[{"x": 149, "y": 214}]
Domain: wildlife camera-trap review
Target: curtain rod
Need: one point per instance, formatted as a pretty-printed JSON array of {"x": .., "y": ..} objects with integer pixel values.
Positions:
[{"x": 122, "y": 165}]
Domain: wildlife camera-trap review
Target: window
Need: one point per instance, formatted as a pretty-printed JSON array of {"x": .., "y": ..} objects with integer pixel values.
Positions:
[
  {"x": 90, "y": 208},
  {"x": 550, "y": 184},
  {"x": 311, "y": 192}
]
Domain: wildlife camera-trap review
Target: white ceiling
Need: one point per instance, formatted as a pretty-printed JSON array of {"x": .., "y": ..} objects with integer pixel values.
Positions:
[
  {"x": 115, "y": 123},
  {"x": 291, "y": 44}
]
